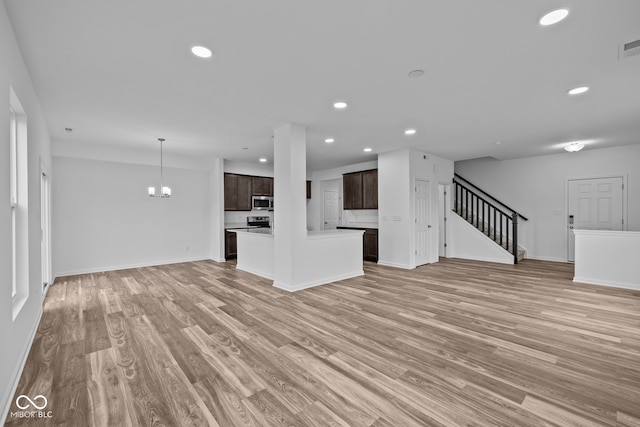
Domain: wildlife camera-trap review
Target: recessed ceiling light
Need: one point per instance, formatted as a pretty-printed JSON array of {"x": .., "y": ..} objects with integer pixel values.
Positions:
[
  {"x": 554, "y": 17},
  {"x": 366, "y": 150},
  {"x": 329, "y": 140},
  {"x": 497, "y": 143},
  {"x": 574, "y": 146},
  {"x": 416, "y": 73},
  {"x": 339, "y": 105},
  {"x": 201, "y": 51},
  {"x": 410, "y": 132},
  {"x": 263, "y": 160},
  {"x": 578, "y": 90}
]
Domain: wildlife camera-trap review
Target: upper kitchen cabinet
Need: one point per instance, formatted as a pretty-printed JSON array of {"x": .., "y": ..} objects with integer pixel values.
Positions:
[
  {"x": 360, "y": 190},
  {"x": 370, "y": 189},
  {"x": 262, "y": 186},
  {"x": 352, "y": 190},
  {"x": 238, "y": 190}
]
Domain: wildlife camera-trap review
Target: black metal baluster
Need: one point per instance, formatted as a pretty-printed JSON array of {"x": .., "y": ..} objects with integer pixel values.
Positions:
[{"x": 515, "y": 238}]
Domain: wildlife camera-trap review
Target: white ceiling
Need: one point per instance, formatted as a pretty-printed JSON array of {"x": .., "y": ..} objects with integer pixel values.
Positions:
[{"x": 120, "y": 72}]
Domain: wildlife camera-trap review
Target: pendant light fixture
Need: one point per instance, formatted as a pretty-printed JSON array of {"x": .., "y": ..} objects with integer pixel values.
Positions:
[{"x": 164, "y": 191}]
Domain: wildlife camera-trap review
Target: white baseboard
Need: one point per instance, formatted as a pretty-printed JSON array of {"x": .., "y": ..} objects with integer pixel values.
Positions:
[
  {"x": 608, "y": 283},
  {"x": 396, "y": 265},
  {"x": 311, "y": 284},
  {"x": 543, "y": 258},
  {"x": 253, "y": 271},
  {"x": 483, "y": 259},
  {"x": 128, "y": 266},
  {"x": 17, "y": 373}
]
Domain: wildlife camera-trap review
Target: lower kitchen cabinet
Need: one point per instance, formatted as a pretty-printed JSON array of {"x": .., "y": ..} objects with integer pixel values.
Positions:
[
  {"x": 370, "y": 245},
  {"x": 230, "y": 245},
  {"x": 369, "y": 242}
]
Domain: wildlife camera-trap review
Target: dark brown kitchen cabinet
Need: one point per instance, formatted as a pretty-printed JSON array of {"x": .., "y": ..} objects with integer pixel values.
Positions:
[
  {"x": 370, "y": 245},
  {"x": 352, "y": 190},
  {"x": 369, "y": 242},
  {"x": 262, "y": 186},
  {"x": 230, "y": 245},
  {"x": 370, "y": 189},
  {"x": 360, "y": 190},
  {"x": 237, "y": 192}
]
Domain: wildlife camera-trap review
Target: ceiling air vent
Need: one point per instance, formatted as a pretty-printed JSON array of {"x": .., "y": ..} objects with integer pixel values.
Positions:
[{"x": 630, "y": 49}]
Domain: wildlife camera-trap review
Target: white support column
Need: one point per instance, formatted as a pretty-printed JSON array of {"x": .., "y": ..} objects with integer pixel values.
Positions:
[
  {"x": 216, "y": 209},
  {"x": 290, "y": 211}
]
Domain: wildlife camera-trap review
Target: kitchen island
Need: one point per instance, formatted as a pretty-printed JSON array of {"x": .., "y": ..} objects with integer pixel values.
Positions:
[{"x": 328, "y": 256}]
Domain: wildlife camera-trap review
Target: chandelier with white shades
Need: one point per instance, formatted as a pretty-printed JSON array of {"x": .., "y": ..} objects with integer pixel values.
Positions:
[{"x": 164, "y": 191}]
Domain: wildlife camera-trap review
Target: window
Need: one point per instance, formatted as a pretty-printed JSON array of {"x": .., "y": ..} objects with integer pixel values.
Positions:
[{"x": 18, "y": 201}]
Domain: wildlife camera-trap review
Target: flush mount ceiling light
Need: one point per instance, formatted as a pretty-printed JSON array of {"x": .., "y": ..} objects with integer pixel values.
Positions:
[
  {"x": 201, "y": 52},
  {"x": 554, "y": 17},
  {"x": 339, "y": 105},
  {"x": 164, "y": 191},
  {"x": 578, "y": 90},
  {"x": 329, "y": 140},
  {"x": 68, "y": 129},
  {"x": 410, "y": 132},
  {"x": 263, "y": 160},
  {"x": 574, "y": 146},
  {"x": 416, "y": 73},
  {"x": 367, "y": 150}
]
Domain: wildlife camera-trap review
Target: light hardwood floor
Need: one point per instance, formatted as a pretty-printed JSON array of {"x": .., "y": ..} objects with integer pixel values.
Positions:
[{"x": 448, "y": 344}]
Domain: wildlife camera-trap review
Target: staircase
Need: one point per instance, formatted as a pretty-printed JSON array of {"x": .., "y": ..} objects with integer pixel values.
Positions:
[{"x": 493, "y": 218}]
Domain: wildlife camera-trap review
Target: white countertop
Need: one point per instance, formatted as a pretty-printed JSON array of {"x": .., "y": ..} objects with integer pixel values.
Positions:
[
  {"x": 238, "y": 225},
  {"x": 257, "y": 231},
  {"x": 361, "y": 225},
  {"x": 318, "y": 234}
]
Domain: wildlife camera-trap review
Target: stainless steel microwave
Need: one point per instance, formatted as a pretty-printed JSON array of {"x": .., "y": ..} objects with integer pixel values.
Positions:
[{"x": 262, "y": 203}]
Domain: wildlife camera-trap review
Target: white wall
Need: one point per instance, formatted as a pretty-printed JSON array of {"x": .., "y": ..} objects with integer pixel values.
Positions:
[
  {"x": 397, "y": 173},
  {"x": 608, "y": 258},
  {"x": 536, "y": 187},
  {"x": 467, "y": 242},
  {"x": 254, "y": 169},
  {"x": 16, "y": 335},
  {"x": 394, "y": 203},
  {"x": 216, "y": 209},
  {"x": 104, "y": 220}
]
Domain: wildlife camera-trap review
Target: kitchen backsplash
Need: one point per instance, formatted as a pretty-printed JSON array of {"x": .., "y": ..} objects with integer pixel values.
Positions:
[
  {"x": 231, "y": 217},
  {"x": 361, "y": 217}
]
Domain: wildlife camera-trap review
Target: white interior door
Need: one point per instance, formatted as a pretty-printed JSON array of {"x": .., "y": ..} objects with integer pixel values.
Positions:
[
  {"x": 422, "y": 222},
  {"x": 45, "y": 227},
  {"x": 331, "y": 210},
  {"x": 594, "y": 204}
]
